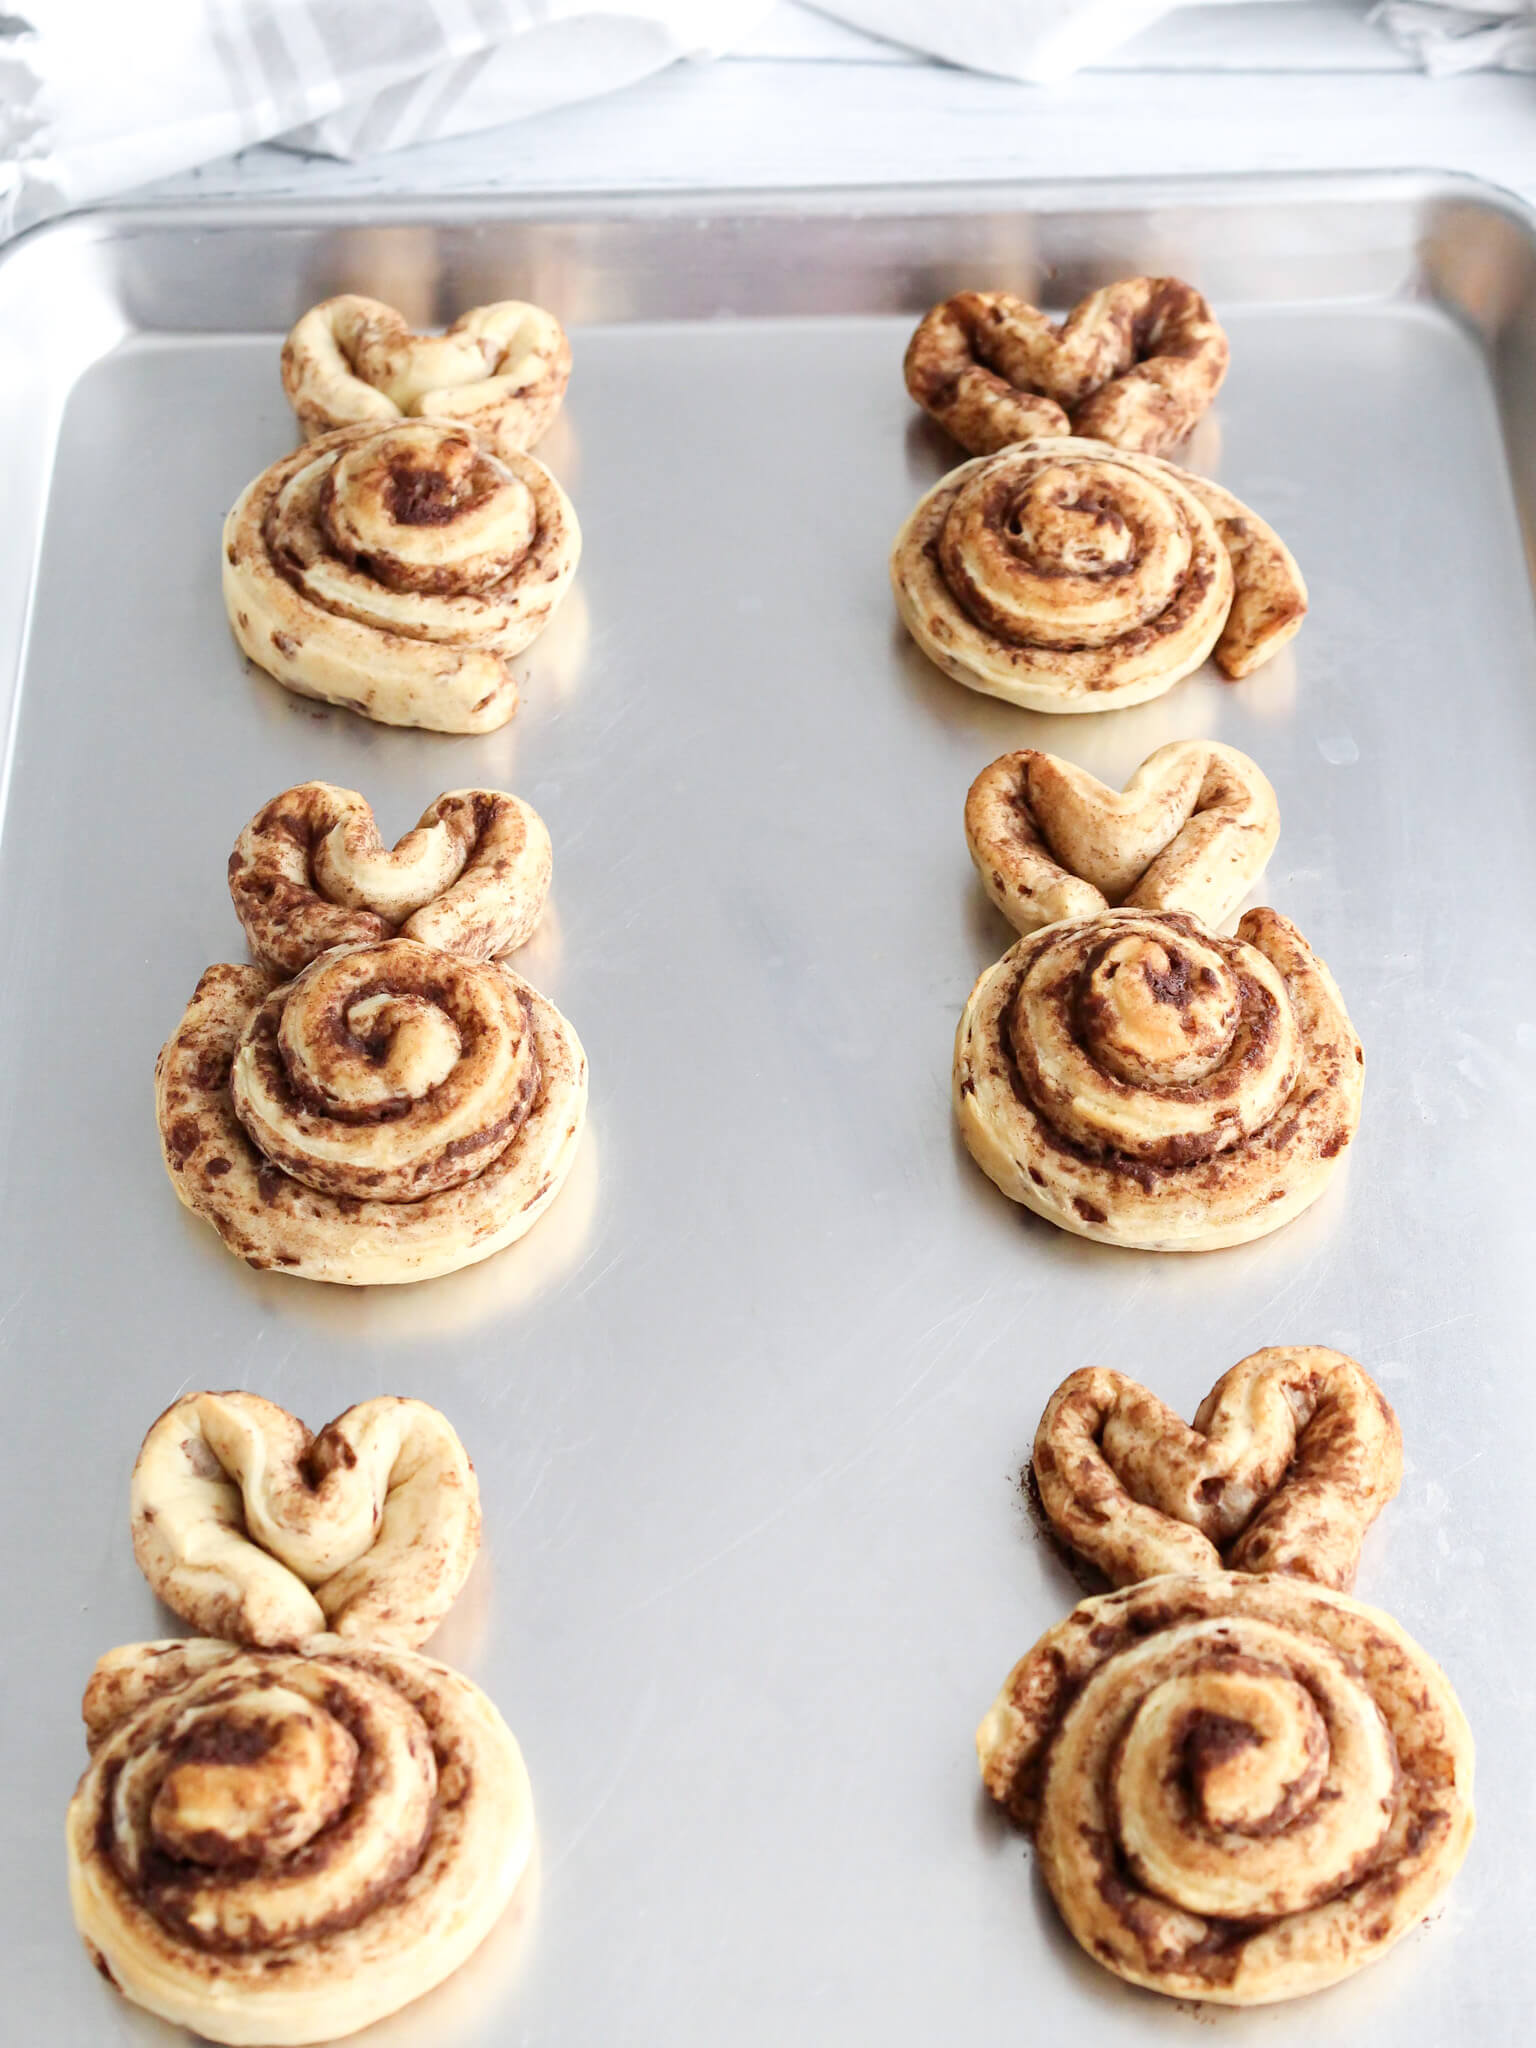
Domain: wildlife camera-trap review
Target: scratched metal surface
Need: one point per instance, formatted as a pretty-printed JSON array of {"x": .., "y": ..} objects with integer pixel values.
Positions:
[{"x": 749, "y": 1406}]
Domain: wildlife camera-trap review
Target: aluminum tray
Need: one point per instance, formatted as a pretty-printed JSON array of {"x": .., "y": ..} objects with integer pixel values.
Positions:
[{"x": 750, "y": 1405}]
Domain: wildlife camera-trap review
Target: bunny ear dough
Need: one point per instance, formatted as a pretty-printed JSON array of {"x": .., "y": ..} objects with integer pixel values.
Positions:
[
  {"x": 954, "y": 370},
  {"x": 1291, "y": 1457},
  {"x": 1190, "y": 831},
  {"x": 1135, "y": 364},
  {"x": 502, "y": 369},
  {"x": 252, "y": 1529},
  {"x": 310, "y": 872}
]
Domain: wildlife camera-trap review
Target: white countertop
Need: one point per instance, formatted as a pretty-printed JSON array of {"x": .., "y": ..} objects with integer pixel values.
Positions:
[{"x": 1261, "y": 85}]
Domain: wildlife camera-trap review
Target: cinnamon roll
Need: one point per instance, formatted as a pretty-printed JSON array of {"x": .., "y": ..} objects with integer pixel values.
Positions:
[
  {"x": 1291, "y": 1457},
  {"x": 1138, "y": 1079},
  {"x": 1240, "y": 1788},
  {"x": 500, "y": 369},
  {"x": 1135, "y": 364},
  {"x": 390, "y": 1115},
  {"x": 310, "y": 872},
  {"x": 397, "y": 570},
  {"x": 283, "y": 1847},
  {"x": 249, "y": 1527},
  {"x": 1069, "y": 577},
  {"x": 1190, "y": 831}
]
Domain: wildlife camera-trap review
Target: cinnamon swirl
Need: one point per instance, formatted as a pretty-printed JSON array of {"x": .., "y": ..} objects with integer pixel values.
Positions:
[
  {"x": 1241, "y": 1788},
  {"x": 1067, "y": 576},
  {"x": 1136, "y": 1078},
  {"x": 283, "y": 1847},
  {"x": 392, "y": 1114},
  {"x": 397, "y": 570}
]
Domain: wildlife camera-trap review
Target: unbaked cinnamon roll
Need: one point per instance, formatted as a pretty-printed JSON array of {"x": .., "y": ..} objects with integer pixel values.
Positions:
[
  {"x": 1135, "y": 364},
  {"x": 1190, "y": 831},
  {"x": 390, "y": 1115},
  {"x": 280, "y": 1848},
  {"x": 1240, "y": 1789},
  {"x": 1291, "y": 1457},
  {"x": 1138, "y": 1079},
  {"x": 251, "y": 1528},
  {"x": 310, "y": 872},
  {"x": 500, "y": 369},
  {"x": 397, "y": 571},
  {"x": 1067, "y": 576}
]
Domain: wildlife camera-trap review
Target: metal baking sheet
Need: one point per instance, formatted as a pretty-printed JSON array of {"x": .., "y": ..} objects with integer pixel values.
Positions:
[{"x": 750, "y": 1405}]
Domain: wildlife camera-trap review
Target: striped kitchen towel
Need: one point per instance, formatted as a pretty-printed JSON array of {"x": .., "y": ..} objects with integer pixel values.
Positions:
[{"x": 97, "y": 96}]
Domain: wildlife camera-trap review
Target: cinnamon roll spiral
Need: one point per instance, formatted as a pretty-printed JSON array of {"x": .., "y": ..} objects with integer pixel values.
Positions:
[
  {"x": 1291, "y": 1457},
  {"x": 310, "y": 872},
  {"x": 279, "y": 1848},
  {"x": 501, "y": 369},
  {"x": 250, "y": 1528},
  {"x": 397, "y": 570},
  {"x": 392, "y": 1114},
  {"x": 1241, "y": 1788},
  {"x": 1135, "y": 364},
  {"x": 1136, "y": 1078},
  {"x": 1067, "y": 576},
  {"x": 1191, "y": 831}
]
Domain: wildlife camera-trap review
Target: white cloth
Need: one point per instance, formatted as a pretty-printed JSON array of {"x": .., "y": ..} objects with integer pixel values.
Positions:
[
  {"x": 1039, "y": 41},
  {"x": 97, "y": 96},
  {"x": 1448, "y": 36},
  {"x": 1044, "y": 40}
]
